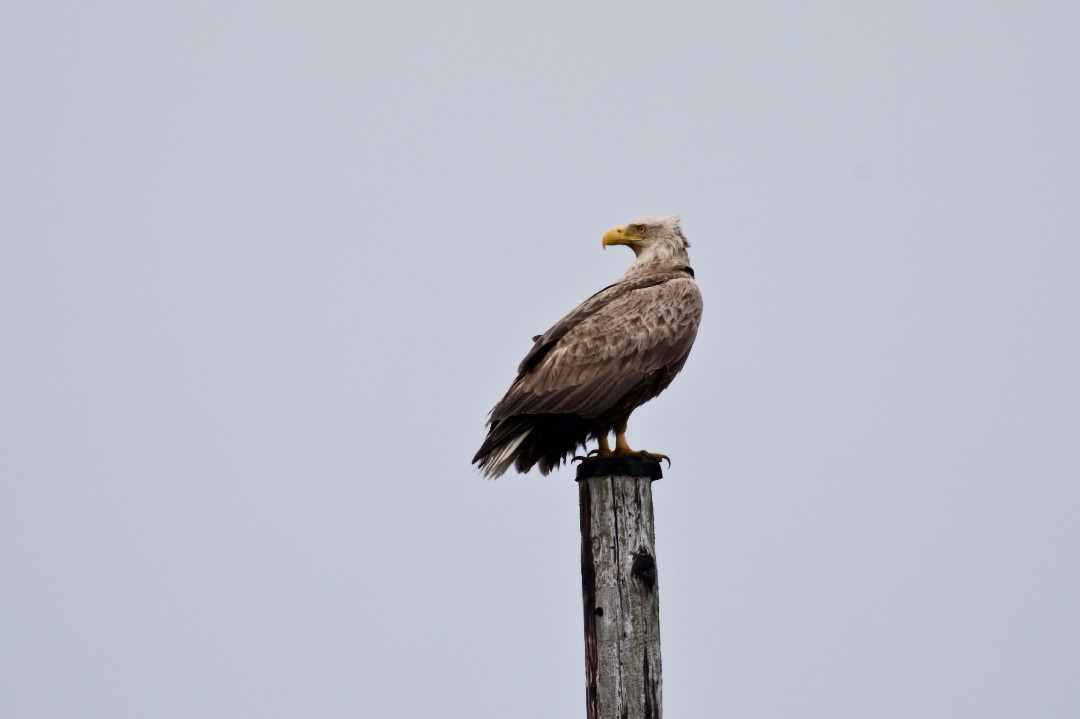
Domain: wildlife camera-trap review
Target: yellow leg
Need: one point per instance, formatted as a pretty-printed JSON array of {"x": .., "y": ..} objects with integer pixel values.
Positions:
[
  {"x": 603, "y": 451},
  {"x": 622, "y": 449}
]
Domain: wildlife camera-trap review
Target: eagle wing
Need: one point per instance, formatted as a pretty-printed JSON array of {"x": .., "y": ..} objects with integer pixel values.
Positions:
[{"x": 604, "y": 348}]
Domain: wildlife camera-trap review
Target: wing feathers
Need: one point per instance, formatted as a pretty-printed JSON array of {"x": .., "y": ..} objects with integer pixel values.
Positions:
[
  {"x": 589, "y": 308},
  {"x": 601, "y": 350}
]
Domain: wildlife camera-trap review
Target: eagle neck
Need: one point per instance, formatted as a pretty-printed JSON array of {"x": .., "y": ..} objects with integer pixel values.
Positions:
[{"x": 653, "y": 263}]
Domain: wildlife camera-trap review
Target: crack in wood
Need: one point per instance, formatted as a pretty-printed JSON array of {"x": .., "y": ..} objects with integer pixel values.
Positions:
[{"x": 620, "y": 598}]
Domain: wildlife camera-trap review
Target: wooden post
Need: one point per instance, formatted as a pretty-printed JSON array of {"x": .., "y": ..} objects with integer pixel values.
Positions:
[{"x": 619, "y": 588}]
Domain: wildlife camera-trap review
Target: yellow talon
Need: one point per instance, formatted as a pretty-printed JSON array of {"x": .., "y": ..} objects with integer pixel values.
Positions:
[{"x": 622, "y": 449}]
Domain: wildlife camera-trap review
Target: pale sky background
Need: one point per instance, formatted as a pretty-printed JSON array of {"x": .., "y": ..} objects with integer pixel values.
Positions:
[{"x": 266, "y": 267}]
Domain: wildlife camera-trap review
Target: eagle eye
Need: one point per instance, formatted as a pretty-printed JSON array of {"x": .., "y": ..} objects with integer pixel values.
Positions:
[{"x": 641, "y": 228}]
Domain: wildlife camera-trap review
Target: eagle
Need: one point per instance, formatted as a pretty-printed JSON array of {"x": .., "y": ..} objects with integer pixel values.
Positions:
[{"x": 612, "y": 353}]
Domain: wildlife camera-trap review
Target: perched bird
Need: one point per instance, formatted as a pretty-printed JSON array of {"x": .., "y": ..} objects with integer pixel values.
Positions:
[{"x": 614, "y": 352}]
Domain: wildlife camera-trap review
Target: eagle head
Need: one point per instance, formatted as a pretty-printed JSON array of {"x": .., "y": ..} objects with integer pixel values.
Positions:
[{"x": 659, "y": 237}]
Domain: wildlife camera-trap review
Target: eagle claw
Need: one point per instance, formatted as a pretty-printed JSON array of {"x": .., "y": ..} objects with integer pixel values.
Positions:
[
  {"x": 656, "y": 457},
  {"x": 590, "y": 454}
]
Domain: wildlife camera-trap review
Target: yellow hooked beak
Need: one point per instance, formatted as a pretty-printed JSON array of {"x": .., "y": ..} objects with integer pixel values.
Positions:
[{"x": 621, "y": 236}]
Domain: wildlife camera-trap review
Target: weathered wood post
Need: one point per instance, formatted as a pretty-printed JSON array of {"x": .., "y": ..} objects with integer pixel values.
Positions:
[{"x": 619, "y": 588}]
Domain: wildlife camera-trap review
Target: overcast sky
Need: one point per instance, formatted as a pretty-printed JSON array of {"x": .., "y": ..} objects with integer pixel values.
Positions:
[{"x": 266, "y": 267}]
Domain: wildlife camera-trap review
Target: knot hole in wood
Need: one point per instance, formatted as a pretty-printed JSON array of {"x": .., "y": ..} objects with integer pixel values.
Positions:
[{"x": 644, "y": 568}]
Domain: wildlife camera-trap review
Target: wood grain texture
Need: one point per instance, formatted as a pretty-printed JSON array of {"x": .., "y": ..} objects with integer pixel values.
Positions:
[{"x": 620, "y": 596}]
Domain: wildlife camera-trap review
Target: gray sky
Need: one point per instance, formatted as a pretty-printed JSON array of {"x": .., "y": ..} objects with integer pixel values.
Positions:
[{"x": 266, "y": 268}]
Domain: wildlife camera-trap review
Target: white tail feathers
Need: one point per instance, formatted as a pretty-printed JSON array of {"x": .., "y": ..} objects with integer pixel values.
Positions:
[{"x": 496, "y": 463}]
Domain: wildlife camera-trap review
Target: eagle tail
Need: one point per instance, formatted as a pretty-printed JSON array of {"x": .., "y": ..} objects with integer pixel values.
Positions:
[
  {"x": 497, "y": 459},
  {"x": 526, "y": 440}
]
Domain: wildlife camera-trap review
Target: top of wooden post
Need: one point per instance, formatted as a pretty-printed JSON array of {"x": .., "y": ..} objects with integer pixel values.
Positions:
[{"x": 619, "y": 467}]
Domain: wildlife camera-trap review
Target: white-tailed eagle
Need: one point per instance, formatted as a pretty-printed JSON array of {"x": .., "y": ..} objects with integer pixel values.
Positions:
[{"x": 615, "y": 351}]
